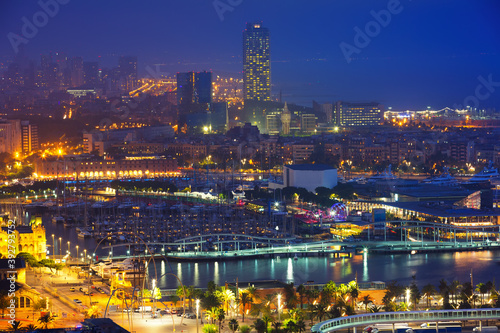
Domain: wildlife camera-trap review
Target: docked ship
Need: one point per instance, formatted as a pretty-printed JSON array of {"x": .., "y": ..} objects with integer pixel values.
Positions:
[
  {"x": 444, "y": 179},
  {"x": 488, "y": 174},
  {"x": 387, "y": 175}
]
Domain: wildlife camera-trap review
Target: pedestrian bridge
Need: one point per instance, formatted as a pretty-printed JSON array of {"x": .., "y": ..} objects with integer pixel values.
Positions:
[{"x": 404, "y": 317}]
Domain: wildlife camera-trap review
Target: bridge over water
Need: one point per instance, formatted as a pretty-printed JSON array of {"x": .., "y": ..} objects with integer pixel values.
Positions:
[{"x": 363, "y": 320}]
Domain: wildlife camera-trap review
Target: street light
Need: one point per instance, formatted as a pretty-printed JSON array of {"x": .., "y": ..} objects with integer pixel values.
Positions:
[
  {"x": 197, "y": 309},
  {"x": 408, "y": 296},
  {"x": 85, "y": 256},
  {"x": 60, "y": 246},
  {"x": 279, "y": 306},
  {"x": 69, "y": 250},
  {"x": 77, "y": 253},
  {"x": 53, "y": 246}
]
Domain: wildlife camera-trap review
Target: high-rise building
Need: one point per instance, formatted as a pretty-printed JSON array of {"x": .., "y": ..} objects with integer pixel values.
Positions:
[
  {"x": 128, "y": 72},
  {"x": 91, "y": 73},
  {"x": 10, "y": 136},
  {"x": 194, "y": 88},
  {"x": 76, "y": 69},
  {"x": 256, "y": 63},
  {"x": 286, "y": 118},
  {"x": 358, "y": 114},
  {"x": 29, "y": 136}
]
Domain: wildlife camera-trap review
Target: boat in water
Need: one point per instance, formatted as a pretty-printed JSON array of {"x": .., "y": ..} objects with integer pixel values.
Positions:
[
  {"x": 57, "y": 219},
  {"x": 444, "y": 179},
  {"x": 387, "y": 175},
  {"x": 488, "y": 174},
  {"x": 84, "y": 234}
]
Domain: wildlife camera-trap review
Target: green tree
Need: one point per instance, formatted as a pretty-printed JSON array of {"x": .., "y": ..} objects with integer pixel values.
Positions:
[
  {"x": 245, "y": 299},
  {"x": 301, "y": 326},
  {"x": 46, "y": 320},
  {"x": 233, "y": 325},
  {"x": 428, "y": 290},
  {"x": 414, "y": 292},
  {"x": 366, "y": 300},
  {"x": 277, "y": 326},
  {"x": 209, "y": 328},
  {"x": 301, "y": 290},
  {"x": 260, "y": 326}
]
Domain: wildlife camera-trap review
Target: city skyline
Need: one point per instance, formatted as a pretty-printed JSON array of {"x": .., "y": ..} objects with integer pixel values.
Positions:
[{"x": 410, "y": 59}]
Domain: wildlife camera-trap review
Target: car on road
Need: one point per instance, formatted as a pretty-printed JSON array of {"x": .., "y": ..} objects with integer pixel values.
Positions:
[
  {"x": 190, "y": 316},
  {"x": 77, "y": 301},
  {"x": 72, "y": 289}
]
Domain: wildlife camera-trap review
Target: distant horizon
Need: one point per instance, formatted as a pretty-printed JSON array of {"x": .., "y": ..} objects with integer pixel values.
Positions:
[{"x": 404, "y": 54}]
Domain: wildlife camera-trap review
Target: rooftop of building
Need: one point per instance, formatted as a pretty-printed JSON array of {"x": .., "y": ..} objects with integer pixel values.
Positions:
[
  {"x": 443, "y": 209},
  {"x": 310, "y": 167}
]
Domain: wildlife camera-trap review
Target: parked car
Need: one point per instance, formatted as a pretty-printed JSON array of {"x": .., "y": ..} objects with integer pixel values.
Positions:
[
  {"x": 72, "y": 289},
  {"x": 77, "y": 301}
]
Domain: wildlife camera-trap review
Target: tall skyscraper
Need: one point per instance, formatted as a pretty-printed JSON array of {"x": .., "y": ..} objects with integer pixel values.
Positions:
[
  {"x": 128, "y": 72},
  {"x": 256, "y": 63},
  {"x": 91, "y": 73},
  {"x": 29, "y": 136},
  {"x": 194, "y": 88}
]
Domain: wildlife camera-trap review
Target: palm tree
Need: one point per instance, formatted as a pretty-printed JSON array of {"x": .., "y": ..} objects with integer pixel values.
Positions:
[
  {"x": 482, "y": 289},
  {"x": 444, "y": 290},
  {"x": 16, "y": 325},
  {"x": 30, "y": 327},
  {"x": 226, "y": 296},
  {"x": 375, "y": 309},
  {"x": 277, "y": 326},
  {"x": 220, "y": 316},
  {"x": 46, "y": 320},
  {"x": 301, "y": 326},
  {"x": 366, "y": 300},
  {"x": 353, "y": 291},
  {"x": 428, "y": 290},
  {"x": 319, "y": 310},
  {"x": 291, "y": 326},
  {"x": 94, "y": 312},
  {"x": 301, "y": 289},
  {"x": 233, "y": 325},
  {"x": 244, "y": 300},
  {"x": 453, "y": 289},
  {"x": 267, "y": 319},
  {"x": 260, "y": 326},
  {"x": 211, "y": 314}
]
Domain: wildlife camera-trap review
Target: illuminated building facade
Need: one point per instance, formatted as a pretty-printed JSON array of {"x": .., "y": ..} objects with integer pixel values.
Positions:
[
  {"x": 256, "y": 63},
  {"x": 29, "y": 239},
  {"x": 130, "y": 167},
  {"x": 358, "y": 114},
  {"x": 286, "y": 118},
  {"x": 29, "y": 136},
  {"x": 10, "y": 136},
  {"x": 194, "y": 89}
]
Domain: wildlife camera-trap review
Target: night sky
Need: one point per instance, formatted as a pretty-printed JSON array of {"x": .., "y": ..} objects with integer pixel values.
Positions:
[{"x": 431, "y": 53}]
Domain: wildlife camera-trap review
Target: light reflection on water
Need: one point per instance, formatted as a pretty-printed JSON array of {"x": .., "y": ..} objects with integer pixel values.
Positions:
[{"x": 428, "y": 268}]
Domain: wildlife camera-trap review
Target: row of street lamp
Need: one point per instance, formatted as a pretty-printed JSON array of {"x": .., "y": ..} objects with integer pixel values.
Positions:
[{"x": 84, "y": 254}]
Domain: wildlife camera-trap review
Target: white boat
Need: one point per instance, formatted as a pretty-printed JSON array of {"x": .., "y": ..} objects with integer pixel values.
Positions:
[
  {"x": 444, "y": 179},
  {"x": 488, "y": 174},
  {"x": 387, "y": 175},
  {"x": 238, "y": 193},
  {"x": 57, "y": 219},
  {"x": 84, "y": 234}
]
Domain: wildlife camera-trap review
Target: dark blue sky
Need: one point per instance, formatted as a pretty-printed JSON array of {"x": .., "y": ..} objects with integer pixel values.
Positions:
[{"x": 431, "y": 53}]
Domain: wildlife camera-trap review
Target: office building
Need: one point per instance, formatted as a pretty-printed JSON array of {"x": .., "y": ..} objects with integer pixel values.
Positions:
[
  {"x": 91, "y": 73},
  {"x": 307, "y": 122},
  {"x": 76, "y": 70},
  {"x": 10, "y": 136},
  {"x": 128, "y": 72},
  {"x": 194, "y": 91},
  {"x": 358, "y": 114},
  {"x": 29, "y": 136},
  {"x": 256, "y": 63}
]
